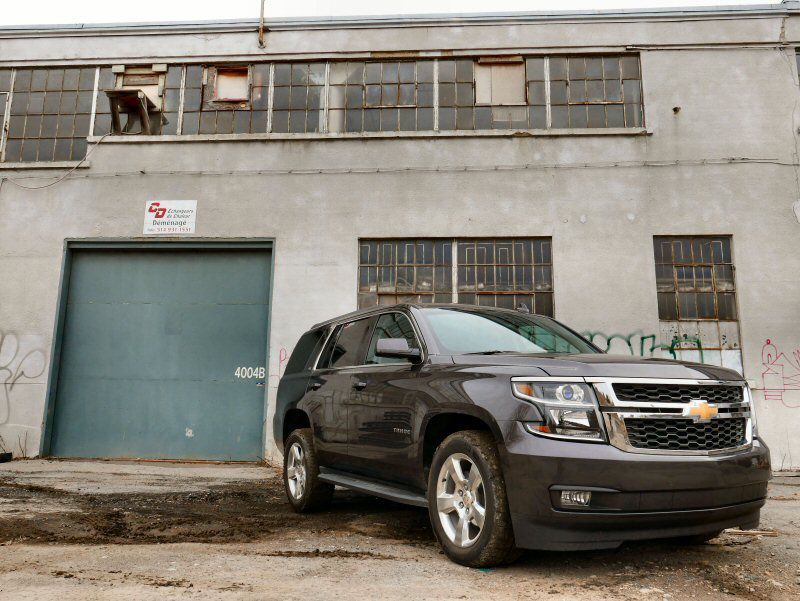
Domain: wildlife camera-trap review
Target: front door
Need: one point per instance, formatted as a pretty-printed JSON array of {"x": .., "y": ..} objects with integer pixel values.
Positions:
[{"x": 383, "y": 408}]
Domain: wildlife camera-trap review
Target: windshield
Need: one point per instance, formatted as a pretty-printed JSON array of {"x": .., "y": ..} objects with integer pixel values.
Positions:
[{"x": 459, "y": 331}]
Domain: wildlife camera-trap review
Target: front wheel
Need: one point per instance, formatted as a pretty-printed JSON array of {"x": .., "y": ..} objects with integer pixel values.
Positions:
[
  {"x": 467, "y": 501},
  {"x": 301, "y": 473}
]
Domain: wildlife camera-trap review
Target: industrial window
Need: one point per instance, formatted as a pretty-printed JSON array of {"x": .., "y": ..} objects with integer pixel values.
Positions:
[
  {"x": 48, "y": 119},
  {"x": 297, "y": 97},
  {"x": 594, "y": 91},
  {"x": 381, "y": 96},
  {"x": 225, "y": 100},
  {"x": 695, "y": 278},
  {"x": 498, "y": 272}
]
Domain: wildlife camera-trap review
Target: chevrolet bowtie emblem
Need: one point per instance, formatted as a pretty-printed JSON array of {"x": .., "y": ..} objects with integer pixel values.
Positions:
[{"x": 700, "y": 410}]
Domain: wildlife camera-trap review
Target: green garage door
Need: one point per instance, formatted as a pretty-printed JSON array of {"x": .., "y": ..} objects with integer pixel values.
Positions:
[{"x": 151, "y": 345}]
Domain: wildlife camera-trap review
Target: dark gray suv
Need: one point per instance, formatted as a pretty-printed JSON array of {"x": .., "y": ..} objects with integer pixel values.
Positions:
[{"x": 515, "y": 432}]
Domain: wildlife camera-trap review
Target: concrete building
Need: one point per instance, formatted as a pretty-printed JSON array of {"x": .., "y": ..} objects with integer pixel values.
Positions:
[{"x": 634, "y": 174}]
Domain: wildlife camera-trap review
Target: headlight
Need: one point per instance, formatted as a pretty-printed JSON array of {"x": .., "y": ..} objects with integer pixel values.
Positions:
[{"x": 568, "y": 408}]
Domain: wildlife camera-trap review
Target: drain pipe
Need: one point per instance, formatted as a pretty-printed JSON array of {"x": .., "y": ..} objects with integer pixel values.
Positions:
[{"x": 261, "y": 42}]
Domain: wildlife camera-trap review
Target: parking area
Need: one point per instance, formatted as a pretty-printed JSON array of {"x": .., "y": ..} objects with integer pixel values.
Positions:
[{"x": 122, "y": 530}]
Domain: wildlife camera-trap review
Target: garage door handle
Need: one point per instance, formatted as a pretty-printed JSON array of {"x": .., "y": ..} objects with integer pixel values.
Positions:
[{"x": 360, "y": 385}]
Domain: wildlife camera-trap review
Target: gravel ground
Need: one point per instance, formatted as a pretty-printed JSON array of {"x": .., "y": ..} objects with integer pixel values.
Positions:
[{"x": 103, "y": 530}]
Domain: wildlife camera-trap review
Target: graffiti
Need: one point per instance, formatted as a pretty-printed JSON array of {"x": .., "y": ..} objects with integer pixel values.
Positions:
[
  {"x": 781, "y": 373},
  {"x": 644, "y": 345},
  {"x": 283, "y": 357},
  {"x": 16, "y": 365}
]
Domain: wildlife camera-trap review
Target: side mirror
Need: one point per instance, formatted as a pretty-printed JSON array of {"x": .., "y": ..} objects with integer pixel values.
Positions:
[{"x": 397, "y": 348}]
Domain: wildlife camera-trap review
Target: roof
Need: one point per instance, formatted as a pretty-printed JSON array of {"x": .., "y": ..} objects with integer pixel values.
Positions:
[
  {"x": 425, "y": 20},
  {"x": 383, "y": 308}
]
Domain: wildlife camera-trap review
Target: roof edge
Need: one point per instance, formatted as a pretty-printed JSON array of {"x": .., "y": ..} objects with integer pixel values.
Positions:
[{"x": 786, "y": 8}]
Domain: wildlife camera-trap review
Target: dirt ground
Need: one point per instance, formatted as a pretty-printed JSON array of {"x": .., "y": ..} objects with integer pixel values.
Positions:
[{"x": 117, "y": 530}]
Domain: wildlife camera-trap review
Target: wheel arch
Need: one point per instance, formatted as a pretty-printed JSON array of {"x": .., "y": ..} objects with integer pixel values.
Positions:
[{"x": 441, "y": 425}]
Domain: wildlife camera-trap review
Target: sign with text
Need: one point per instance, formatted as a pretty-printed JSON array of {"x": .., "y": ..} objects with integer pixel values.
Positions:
[{"x": 170, "y": 216}]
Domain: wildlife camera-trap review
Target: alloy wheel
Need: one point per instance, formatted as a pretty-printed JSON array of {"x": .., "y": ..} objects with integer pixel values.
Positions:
[
  {"x": 296, "y": 471},
  {"x": 461, "y": 500}
]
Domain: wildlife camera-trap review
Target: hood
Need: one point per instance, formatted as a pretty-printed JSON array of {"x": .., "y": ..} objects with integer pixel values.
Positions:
[{"x": 604, "y": 366}]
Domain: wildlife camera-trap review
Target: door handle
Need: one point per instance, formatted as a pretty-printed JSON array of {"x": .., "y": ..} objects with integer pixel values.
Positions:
[
  {"x": 315, "y": 385},
  {"x": 360, "y": 385}
]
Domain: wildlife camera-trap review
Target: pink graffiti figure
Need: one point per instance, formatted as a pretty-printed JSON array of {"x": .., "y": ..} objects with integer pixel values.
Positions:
[{"x": 780, "y": 374}]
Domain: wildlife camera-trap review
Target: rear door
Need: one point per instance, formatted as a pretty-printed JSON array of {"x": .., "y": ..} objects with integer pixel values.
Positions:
[
  {"x": 331, "y": 386},
  {"x": 383, "y": 407}
]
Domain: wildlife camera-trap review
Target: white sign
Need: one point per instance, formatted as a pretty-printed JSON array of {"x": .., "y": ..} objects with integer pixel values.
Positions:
[{"x": 170, "y": 216}]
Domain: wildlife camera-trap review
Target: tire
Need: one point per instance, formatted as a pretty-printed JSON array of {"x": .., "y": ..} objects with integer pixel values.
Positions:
[
  {"x": 458, "y": 526},
  {"x": 301, "y": 473}
]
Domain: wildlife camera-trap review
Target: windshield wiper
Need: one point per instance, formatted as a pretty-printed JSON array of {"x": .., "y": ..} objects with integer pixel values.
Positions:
[{"x": 493, "y": 352}]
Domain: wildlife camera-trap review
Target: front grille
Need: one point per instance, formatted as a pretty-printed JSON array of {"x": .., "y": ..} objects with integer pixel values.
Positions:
[
  {"x": 666, "y": 393},
  {"x": 685, "y": 434}
]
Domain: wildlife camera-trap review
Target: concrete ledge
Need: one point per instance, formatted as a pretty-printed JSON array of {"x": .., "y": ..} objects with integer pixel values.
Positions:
[
  {"x": 428, "y": 135},
  {"x": 46, "y": 165}
]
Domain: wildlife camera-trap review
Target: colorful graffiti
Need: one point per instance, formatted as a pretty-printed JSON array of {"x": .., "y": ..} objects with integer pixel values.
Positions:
[
  {"x": 781, "y": 373},
  {"x": 644, "y": 345}
]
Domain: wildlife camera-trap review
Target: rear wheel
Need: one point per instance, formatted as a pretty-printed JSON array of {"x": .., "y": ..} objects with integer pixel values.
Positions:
[
  {"x": 301, "y": 473},
  {"x": 467, "y": 501}
]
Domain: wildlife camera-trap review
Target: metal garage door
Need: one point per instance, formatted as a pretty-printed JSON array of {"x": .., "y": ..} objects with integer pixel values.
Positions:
[{"x": 151, "y": 343}]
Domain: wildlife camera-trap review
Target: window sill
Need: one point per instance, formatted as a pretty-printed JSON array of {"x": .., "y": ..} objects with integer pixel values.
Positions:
[
  {"x": 46, "y": 165},
  {"x": 520, "y": 133}
]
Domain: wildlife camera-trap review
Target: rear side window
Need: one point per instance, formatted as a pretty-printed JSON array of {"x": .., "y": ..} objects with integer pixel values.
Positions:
[
  {"x": 348, "y": 344},
  {"x": 306, "y": 351}
]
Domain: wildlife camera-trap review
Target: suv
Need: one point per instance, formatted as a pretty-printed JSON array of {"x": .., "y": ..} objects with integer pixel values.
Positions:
[{"x": 516, "y": 432}]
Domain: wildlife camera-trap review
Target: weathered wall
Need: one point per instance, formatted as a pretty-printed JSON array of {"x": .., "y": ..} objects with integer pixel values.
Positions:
[{"x": 602, "y": 198}]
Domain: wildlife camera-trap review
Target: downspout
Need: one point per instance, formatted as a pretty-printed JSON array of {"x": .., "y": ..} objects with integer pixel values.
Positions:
[{"x": 261, "y": 42}]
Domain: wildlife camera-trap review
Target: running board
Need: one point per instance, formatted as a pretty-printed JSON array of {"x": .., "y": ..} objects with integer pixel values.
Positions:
[{"x": 377, "y": 489}]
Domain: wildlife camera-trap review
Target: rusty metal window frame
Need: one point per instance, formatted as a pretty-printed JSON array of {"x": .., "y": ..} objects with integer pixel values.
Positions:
[
  {"x": 695, "y": 278},
  {"x": 444, "y": 270},
  {"x": 56, "y": 119},
  {"x": 595, "y": 91},
  {"x": 381, "y": 96}
]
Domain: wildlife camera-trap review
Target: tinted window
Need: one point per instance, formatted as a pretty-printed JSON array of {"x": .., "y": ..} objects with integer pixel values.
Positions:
[
  {"x": 305, "y": 352},
  {"x": 349, "y": 343},
  {"x": 391, "y": 325},
  {"x": 462, "y": 331}
]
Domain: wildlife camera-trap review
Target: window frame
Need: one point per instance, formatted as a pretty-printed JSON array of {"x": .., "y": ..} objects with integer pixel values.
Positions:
[
  {"x": 336, "y": 327},
  {"x": 674, "y": 265},
  {"x": 452, "y": 267}
]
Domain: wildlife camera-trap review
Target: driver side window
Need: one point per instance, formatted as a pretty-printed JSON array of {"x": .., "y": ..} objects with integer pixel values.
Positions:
[{"x": 391, "y": 325}]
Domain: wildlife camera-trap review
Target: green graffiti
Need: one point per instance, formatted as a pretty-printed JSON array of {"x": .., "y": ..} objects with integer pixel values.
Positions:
[{"x": 645, "y": 344}]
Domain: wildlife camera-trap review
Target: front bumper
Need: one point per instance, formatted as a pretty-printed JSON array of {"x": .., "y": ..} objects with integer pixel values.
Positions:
[{"x": 643, "y": 496}]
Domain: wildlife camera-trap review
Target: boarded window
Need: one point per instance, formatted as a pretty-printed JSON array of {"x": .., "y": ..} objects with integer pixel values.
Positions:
[
  {"x": 231, "y": 85},
  {"x": 501, "y": 84},
  {"x": 493, "y": 272}
]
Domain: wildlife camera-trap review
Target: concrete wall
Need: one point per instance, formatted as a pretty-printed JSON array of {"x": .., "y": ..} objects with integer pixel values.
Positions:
[{"x": 724, "y": 164}]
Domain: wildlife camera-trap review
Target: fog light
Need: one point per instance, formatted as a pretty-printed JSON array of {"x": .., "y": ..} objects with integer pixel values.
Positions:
[{"x": 573, "y": 498}]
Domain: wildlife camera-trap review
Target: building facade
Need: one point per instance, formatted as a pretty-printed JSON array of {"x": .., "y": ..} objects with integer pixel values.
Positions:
[{"x": 178, "y": 204}]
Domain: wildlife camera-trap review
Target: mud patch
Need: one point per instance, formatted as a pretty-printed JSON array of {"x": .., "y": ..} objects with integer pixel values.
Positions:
[{"x": 240, "y": 512}]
